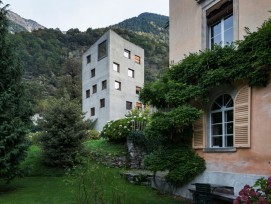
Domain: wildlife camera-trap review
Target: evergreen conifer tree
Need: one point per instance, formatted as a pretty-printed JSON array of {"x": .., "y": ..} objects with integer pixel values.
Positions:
[{"x": 14, "y": 114}]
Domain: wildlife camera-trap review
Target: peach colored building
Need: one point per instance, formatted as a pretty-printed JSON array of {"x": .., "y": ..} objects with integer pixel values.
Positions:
[{"x": 234, "y": 134}]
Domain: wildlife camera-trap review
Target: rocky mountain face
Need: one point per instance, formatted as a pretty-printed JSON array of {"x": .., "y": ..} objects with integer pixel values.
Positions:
[{"x": 18, "y": 24}]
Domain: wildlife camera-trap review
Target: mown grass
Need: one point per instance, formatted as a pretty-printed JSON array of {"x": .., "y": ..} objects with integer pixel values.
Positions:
[{"x": 49, "y": 185}]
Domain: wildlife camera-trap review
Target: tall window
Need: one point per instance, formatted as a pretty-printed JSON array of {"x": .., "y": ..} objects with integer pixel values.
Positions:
[
  {"x": 127, "y": 54},
  {"x": 131, "y": 73},
  {"x": 87, "y": 93},
  {"x": 92, "y": 111},
  {"x": 94, "y": 88},
  {"x": 92, "y": 73},
  {"x": 102, "y": 50},
  {"x": 116, "y": 67},
  {"x": 104, "y": 85},
  {"x": 117, "y": 85},
  {"x": 102, "y": 103},
  {"x": 222, "y": 122},
  {"x": 88, "y": 59},
  {"x": 221, "y": 33}
]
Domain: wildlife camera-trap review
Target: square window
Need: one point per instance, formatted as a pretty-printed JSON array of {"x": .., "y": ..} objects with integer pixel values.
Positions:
[
  {"x": 92, "y": 73},
  {"x": 94, "y": 88},
  {"x": 117, "y": 85},
  {"x": 88, "y": 59},
  {"x": 87, "y": 93},
  {"x": 92, "y": 111},
  {"x": 127, "y": 54},
  {"x": 131, "y": 73},
  {"x": 104, "y": 84},
  {"x": 102, "y": 50},
  {"x": 139, "y": 105},
  {"x": 116, "y": 67},
  {"x": 102, "y": 103},
  {"x": 129, "y": 105},
  {"x": 138, "y": 89},
  {"x": 137, "y": 59}
]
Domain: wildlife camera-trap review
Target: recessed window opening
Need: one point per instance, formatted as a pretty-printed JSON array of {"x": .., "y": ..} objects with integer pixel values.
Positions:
[
  {"x": 117, "y": 85},
  {"x": 131, "y": 73},
  {"x": 102, "y": 50},
  {"x": 116, "y": 67},
  {"x": 127, "y": 54}
]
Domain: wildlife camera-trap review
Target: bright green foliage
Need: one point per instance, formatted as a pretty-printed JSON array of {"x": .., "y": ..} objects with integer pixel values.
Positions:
[
  {"x": 182, "y": 163},
  {"x": 117, "y": 130},
  {"x": 64, "y": 131},
  {"x": 14, "y": 109}
]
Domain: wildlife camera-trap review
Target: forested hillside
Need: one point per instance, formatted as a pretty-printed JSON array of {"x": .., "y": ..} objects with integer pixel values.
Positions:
[{"x": 52, "y": 59}]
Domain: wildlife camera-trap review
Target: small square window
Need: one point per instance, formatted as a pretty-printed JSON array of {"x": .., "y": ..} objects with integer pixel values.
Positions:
[
  {"x": 92, "y": 73},
  {"x": 116, "y": 67},
  {"x": 102, "y": 50},
  {"x": 127, "y": 54},
  {"x": 129, "y": 105},
  {"x": 137, "y": 59},
  {"x": 102, "y": 103},
  {"x": 117, "y": 85},
  {"x": 87, "y": 93},
  {"x": 139, "y": 105},
  {"x": 92, "y": 111},
  {"x": 94, "y": 88},
  {"x": 88, "y": 59},
  {"x": 131, "y": 73},
  {"x": 104, "y": 84},
  {"x": 138, "y": 89}
]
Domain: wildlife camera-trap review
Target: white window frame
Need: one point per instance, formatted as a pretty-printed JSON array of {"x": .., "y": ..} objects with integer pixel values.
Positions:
[
  {"x": 222, "y": 21},
  {"x": 223, "y": 110}
]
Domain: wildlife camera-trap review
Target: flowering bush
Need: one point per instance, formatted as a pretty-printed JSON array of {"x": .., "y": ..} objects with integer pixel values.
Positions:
[
  {"x": 262, "y": 194},
  {"x": 119, "y": 130}
]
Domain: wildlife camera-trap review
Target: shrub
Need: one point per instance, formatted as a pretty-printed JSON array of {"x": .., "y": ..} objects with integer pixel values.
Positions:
[
  {"x": 119, "y": 130},
  {"x": 92, "y": 135},
  {"x": 260, "y": 195},
  {"x": 182, "y": 163},
  {"x": 64, "y": 131}
]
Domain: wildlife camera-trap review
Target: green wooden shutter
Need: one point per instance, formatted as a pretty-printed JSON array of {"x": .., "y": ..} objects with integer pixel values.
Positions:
[
  {"x": 242, "y": 117},
  {"x": 198, "y": 133}
]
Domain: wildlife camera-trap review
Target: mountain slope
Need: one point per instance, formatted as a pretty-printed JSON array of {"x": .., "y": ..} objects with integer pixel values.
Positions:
[
  {"x": 18, "y": 24},
  {"x": 147, "y": 23}
]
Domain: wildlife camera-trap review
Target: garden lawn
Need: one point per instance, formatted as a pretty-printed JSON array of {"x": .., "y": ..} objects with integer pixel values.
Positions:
[{"x": 47, "y": 185}]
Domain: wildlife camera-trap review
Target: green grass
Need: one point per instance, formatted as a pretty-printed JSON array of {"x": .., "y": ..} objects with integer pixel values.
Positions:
[
  {"x": 49, "y": 185},
  {"x": 103, "y": 147}
]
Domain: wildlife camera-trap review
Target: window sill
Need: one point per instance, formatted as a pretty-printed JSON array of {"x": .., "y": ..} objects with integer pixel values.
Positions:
[{"x": 219, "y": 150}]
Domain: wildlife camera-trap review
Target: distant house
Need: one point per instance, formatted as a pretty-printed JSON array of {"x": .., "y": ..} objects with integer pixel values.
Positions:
[
  {"x": 112, "y": 77},
  {"x": 234, "y": 133}
]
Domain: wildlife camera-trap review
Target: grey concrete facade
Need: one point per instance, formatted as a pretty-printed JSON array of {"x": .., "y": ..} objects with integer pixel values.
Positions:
[{"x": 129, "y": 74}]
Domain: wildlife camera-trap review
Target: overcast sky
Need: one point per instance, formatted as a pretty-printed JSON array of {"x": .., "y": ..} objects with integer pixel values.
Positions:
[{"x": 82, "y": 14}]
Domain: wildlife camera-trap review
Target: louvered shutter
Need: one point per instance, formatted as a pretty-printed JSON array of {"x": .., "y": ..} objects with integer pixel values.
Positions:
[
  {"x": 198, "y": 133},
  {"x": 242, "y": 117}
]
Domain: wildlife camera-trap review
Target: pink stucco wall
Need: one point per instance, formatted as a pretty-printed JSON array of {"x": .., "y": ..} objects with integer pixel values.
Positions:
[{"x": 257, "y": 158}]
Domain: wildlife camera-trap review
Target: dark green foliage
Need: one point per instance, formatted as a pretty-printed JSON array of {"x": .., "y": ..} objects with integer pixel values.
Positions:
[
  {"x": 64, "y": 131},
  {"x": 14, "y": 108},
  {"x": 182, "y": 163}
]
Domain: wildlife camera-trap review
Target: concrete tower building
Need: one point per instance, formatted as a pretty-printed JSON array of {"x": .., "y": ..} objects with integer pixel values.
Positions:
[{"x": 112, "y": 76}]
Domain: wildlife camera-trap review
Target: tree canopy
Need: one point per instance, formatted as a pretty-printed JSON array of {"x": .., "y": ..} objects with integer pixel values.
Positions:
[{"x": 14, "y": 108}]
